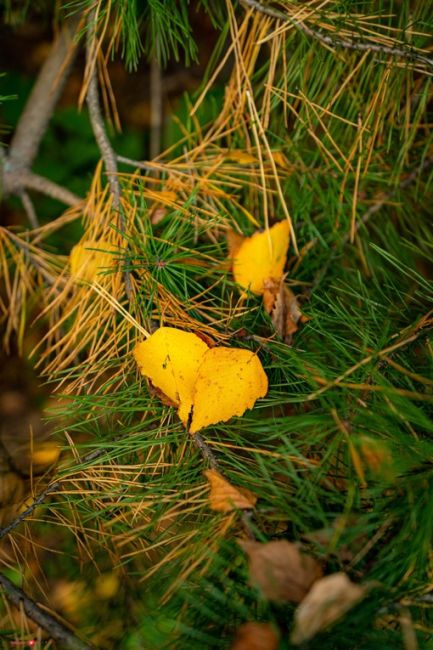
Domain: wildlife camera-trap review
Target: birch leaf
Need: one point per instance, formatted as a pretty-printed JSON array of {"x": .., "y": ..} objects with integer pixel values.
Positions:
[
  {"x": 171, "y": 358},
  {"x": 224, "y": 497},
  {"x": 262, "y": 257},
  {"x": 89, "y": 259},
  {"x": 229, "y": 381},
  {"x": 256, "y": 636},
  {"x": 280, "y": 570},
  {"x": 213, "y": 384},
  {"x": 328, "y": 599}
]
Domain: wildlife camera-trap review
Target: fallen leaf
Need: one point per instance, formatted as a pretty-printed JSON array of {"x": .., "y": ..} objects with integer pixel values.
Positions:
[
  {"x": 262, "y": 257},
  {"x": 89, "y": 259},
  {"x": 229, "y": 381},
  {"x": 329, "y": 599},
  {"x": 224, "y": 497},
  {"x": 213, "y": 384},
  {"x": 242, "y": 157},
  {"x": 280, "y": 159},
  {"x": 281, "y": 571},
  {"x": 171, "y": 359},
  {"x": 45, "y": 453},
  {"x": 282, "y": 305},
  {"x": 107, "y": 585},
  {"x": 255, "y": 636}
]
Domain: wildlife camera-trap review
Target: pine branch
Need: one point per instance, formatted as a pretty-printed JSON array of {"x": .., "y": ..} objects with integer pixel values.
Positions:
[
  {"x": 335, "y": 41},
  {"x": 59, "y": 632}
]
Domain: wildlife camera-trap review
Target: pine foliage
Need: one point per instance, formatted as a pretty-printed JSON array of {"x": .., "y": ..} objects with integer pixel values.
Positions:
[{"x": 325, "y": 122}]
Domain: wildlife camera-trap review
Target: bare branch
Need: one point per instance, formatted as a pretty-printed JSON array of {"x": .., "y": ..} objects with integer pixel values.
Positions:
[
  {"x": 57, "y": 630},
  {"x": 96, "y": 119},
  {"x": 107, "y": 152},
  {"x": 147, "y": 166},
  {"x": 206, "y": 451},
  {"x": 30, "y": 209},
  {"x": 43, "y": 98},
  {"x": 155, "y": 108},
  {"x": 45, "y": 186},
  {"x": 335, "y": 41}
]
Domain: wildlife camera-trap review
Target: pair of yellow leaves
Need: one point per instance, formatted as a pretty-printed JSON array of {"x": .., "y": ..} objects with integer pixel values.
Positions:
[{"x": 207, "y": 385}]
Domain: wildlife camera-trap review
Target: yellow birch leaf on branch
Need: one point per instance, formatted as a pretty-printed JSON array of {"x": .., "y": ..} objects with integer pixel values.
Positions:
[
  {"x": 262, "y": 257},
  {"x": 225, "y": 497},
  {"x": 171, "y": 358},
  {"x": 212, "y": 384},
  {"x": 229, "y": 381}
]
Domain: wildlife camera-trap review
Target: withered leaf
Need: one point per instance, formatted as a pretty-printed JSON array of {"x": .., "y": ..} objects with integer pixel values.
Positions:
[
  {"x": 283, "y": 306},
  {"x": 281, "y": 571},
  {"x": 255, "y": 636},
  {"x": 224, "y": 497},
  {"x": 329, "y": 599}
]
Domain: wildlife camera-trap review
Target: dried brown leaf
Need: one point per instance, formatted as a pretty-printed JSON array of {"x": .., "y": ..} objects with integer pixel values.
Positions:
[
  {"x": 224, "y": 497},
  {"x": 283, "y": 306},
  {"x": 329, "y": 599},
  {"x": 255, "y": 636},
  {"x": 280, "y": 570}
]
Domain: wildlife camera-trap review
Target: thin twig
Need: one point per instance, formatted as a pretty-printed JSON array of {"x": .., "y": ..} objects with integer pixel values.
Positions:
[
  {"x": 206, "y": 451},
  {"x": 53, "y": 487},
  {"x": 30, "y": 209},
  {"x": 335, "y": 41},
  {"x": 107, "y": 152},
  {"x": 147, "y": 166},
  {"x": 57, "y": 630},
  {"x": 155, "y": 108},
  {"x": 32, "y": 181}
]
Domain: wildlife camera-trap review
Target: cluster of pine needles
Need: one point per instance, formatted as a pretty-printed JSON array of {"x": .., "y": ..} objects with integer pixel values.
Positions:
[{"x": 337, "y": 141}]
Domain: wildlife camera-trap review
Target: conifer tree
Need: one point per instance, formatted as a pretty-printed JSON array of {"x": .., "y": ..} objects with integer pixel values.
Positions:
[{"x": 301, "y": 517}]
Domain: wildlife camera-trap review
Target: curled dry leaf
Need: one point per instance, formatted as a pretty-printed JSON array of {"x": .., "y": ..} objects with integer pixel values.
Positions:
[
  {"x": 262, "y": 257},
  {"x": 255, "y": 636},
  {"x": 282, "y": 305},
  {"x": 224, "y": 497},
  {"x": 208, "y": 385},
  {"x": 329, "y": 599},
  {"x": 90, "y": 259},
  {"x": 280, "y": 570}
]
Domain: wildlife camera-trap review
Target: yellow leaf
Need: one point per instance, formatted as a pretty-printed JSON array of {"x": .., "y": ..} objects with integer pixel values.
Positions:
[
  {"x": 90, "y": 258},
  {"x": 242, "y": 157},
  {"x": 164, "y": 196},
  {"x": 46, "y": 453},
  {"x": 262, "y": 257},
  {"x": 171, "y": 358},
  {"x": 280, "y": 159},
  {"x": 107, "y": 585},
  {"x": 229, "y": 382},
  {"x": 224, "y": 497},
  {"x": 212, "y": 383}
]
